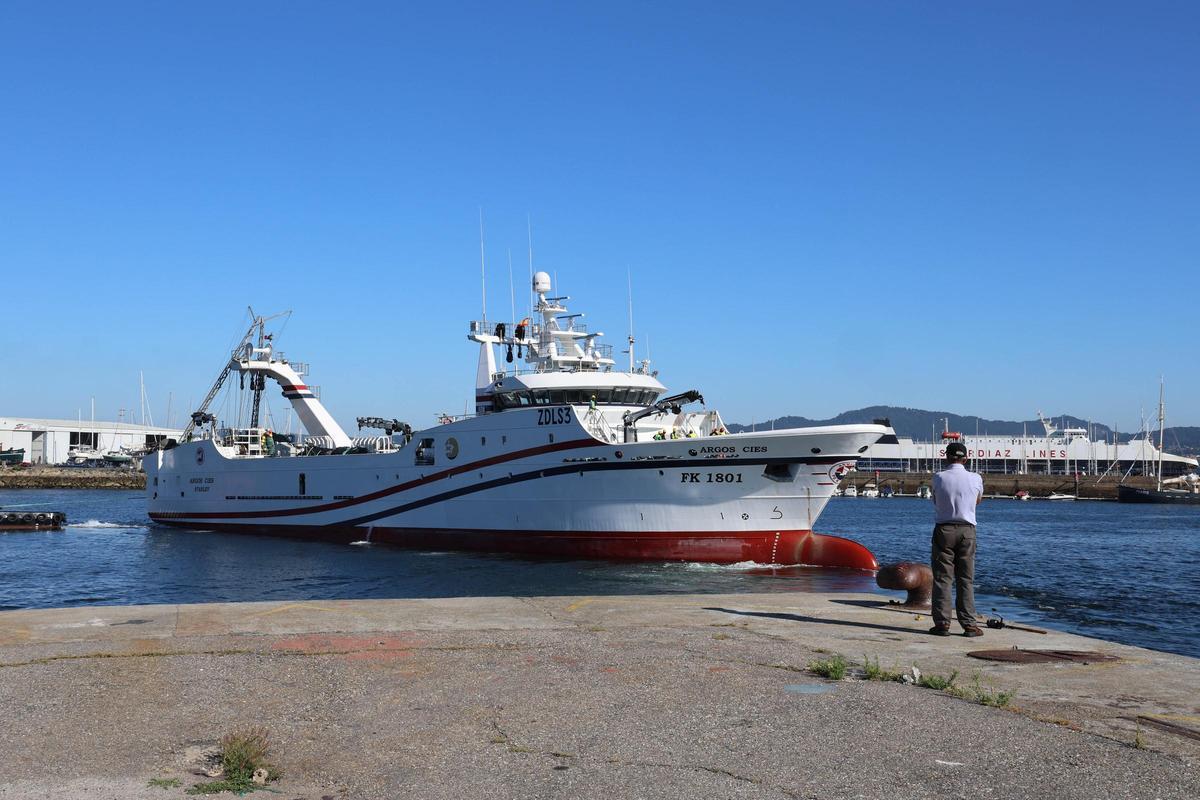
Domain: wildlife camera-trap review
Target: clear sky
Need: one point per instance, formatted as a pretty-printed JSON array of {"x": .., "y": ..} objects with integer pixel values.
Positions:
[{"x": 987, "y": 208}]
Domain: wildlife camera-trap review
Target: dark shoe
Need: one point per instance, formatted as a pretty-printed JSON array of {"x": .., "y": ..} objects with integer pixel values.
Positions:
[
  {"x": 972, "y": 630},
  {"x": 940, "y": 630}
]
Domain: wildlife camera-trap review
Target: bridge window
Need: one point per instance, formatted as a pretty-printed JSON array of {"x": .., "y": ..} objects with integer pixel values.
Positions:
[{"x": 424, "y": 457}]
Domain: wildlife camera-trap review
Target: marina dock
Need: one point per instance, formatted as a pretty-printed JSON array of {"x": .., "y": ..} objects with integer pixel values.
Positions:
[{"x": 621, "y": 696}]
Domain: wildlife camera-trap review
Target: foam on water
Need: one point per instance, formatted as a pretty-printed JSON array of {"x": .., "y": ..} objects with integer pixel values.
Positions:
[
  {"x": 95, "y": 523},
  {"x": 740, "y": 566}
]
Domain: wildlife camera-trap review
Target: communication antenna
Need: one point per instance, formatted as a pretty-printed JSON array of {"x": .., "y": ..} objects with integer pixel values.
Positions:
[
  {"x": 529, "y": 230},
  {"x": 629, "y": 294},
  {"x": 512, "y": 293},
  {"x": 482, "y": 268}
]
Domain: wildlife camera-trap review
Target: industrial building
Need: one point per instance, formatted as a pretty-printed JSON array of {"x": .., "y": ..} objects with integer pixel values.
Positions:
[{"x": 50, "y": 441}]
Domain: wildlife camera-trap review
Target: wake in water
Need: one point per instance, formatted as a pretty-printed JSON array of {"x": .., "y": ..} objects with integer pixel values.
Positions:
[
  {"x": 740, "y": 566},
  {"x": 95, "y": 523}
]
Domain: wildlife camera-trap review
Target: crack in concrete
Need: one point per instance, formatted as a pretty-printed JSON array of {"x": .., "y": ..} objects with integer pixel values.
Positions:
[{"x": 252, "y": 651}]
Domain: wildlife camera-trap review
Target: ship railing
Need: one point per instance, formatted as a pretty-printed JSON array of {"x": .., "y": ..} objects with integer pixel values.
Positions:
[{"x": 533, "y": 331}]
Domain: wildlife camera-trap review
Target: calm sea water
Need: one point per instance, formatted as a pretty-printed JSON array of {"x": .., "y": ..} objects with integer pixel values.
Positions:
[{"x": 1121, "y": 572}]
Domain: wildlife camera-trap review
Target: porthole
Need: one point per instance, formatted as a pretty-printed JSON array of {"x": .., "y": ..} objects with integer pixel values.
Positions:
[
  {"x": 816, "y": 450},
  {"x": 451, "y": 448},
  {"x": 863, "y": 449}
]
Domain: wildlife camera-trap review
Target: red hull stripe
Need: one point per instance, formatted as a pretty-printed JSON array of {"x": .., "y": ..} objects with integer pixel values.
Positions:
[
  {"x": 545, "y": 472},
  {"x": 298, "y": 387},
  {"x": 723, "y": 547}
]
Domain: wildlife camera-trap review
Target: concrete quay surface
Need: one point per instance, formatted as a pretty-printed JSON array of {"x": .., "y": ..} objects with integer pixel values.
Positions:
[{"x": 667, "y": 696}]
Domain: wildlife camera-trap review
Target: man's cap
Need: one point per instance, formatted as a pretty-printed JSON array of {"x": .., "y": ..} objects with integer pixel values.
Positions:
[{"x": 956, "y": 450}]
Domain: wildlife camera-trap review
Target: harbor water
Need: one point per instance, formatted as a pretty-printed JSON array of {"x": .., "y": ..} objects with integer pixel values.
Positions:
[{"x": 1126, "y": 573}]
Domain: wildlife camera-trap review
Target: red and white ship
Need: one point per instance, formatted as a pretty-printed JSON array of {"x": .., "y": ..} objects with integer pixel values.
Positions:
[{"x": 565, "y": 455}]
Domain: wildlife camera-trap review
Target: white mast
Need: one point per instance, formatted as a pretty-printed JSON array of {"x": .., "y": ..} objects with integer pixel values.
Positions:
[
  {"x": 629, "y": 288},
  {"x": 529, "y": 230},
  {"x": 512, "y": 293},
  {"x": 482, "y": 266},
  {"x": 1162, "y": 418}
]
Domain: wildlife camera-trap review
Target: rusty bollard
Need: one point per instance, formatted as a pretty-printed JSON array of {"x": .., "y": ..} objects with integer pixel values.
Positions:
[{"x": 914, "y": 578}]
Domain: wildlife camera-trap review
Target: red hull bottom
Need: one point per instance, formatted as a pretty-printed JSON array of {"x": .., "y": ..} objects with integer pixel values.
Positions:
[{"x": 720, "y": 547}]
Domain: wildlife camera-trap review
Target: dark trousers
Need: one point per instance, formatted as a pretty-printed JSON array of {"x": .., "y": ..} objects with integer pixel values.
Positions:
[{"x": 953, "y": 564}]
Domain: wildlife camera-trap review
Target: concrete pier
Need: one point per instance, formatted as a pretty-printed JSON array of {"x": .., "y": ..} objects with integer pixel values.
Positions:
[{"x": 683, "y": 696}]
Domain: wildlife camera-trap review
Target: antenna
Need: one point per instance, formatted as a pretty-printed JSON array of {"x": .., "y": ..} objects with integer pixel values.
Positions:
[
  {"x": 512, "y": 293},
  {"x": 529, "y": 230},
  {"x": 629, "y": 290},
  {"x": 482, "y": 268}
]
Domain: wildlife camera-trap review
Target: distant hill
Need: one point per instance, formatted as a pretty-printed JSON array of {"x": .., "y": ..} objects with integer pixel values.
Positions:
[{"x": 921, "y": 424}]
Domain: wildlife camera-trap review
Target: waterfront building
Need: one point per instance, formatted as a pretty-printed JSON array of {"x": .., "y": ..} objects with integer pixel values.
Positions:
[
  {"x": 52, "y": 441},
  {"x": 1060, "y": 450}
]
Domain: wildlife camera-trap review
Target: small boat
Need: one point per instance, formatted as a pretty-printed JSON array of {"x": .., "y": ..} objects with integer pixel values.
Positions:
[
  {"x": 886, "y": 491},
  {"x": 84, "y": 459},
  {"x": 1021, "y": 495},
  {"x": 850, "y": 491},
  {"x": 1060, "y": 496},
  {"x": 924, "y": 493},
  {"x": 12, "y": 456},
  {"x": 870, "y": 491},
  {"x": 117, "y": 458}
]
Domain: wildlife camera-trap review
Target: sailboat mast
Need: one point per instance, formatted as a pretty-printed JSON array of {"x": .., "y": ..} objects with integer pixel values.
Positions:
[{"x": 1162, "y": 418}]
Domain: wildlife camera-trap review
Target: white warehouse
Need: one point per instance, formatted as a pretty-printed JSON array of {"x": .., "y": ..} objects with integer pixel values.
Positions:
[{"x": 50, "y": 441}]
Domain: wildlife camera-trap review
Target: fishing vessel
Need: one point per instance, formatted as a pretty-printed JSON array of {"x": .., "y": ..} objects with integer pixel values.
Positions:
[
  {"x": 12, "y": 456},
  {"x": 565, "y": 454}
]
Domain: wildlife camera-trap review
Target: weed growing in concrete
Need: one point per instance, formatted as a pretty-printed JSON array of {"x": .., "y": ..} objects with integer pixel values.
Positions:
[
  {"x": 941, "y": 683},
  {"x": 873, "y": 672},
  {"x": 1138, "y": 741},
  {"x": 164, "y": 783},
  {"x": 243, "y": 753},
  {"x": 983, "y": 695},
  {"x": 833, "y": 667}
]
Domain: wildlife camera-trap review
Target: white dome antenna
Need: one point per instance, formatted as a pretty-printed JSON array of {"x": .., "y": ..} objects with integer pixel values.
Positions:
[{"x": 541, "y": 282}]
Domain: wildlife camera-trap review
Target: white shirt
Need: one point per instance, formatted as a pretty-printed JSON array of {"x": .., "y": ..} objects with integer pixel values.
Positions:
[{"x": 955, "y": 493}]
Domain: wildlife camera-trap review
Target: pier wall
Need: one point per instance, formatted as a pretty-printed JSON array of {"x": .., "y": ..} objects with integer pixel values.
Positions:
[{"x": 41, "y": 477}]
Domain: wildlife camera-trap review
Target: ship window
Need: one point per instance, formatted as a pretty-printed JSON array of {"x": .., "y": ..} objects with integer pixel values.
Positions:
[
  {"x": 576, "y": 396},
  {"x": 424, "y": 456},
  {"x": 778, "y": 472},
  {"x": 604, "y": 396},
  {"x": 541, "y": 397},
  {"x": 302, "y": 484},
  {"x": 482, "y": 441},
  {"x": 618, "y": 396},
  {"x": 557, "y": 397}
]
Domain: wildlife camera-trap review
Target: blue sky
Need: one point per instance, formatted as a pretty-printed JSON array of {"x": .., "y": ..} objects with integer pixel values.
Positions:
[{"x": 987, "y": 208}]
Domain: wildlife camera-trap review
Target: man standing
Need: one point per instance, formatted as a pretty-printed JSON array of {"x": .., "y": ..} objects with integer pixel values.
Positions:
[{"x": 956, "y": 492}]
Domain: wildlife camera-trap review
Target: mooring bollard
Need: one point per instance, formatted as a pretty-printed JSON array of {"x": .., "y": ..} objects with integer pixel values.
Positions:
[{"x": 909, "y": 576}]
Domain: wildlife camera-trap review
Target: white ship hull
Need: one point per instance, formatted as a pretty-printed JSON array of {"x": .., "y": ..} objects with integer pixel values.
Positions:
[{"x": 506, "y": 482}]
